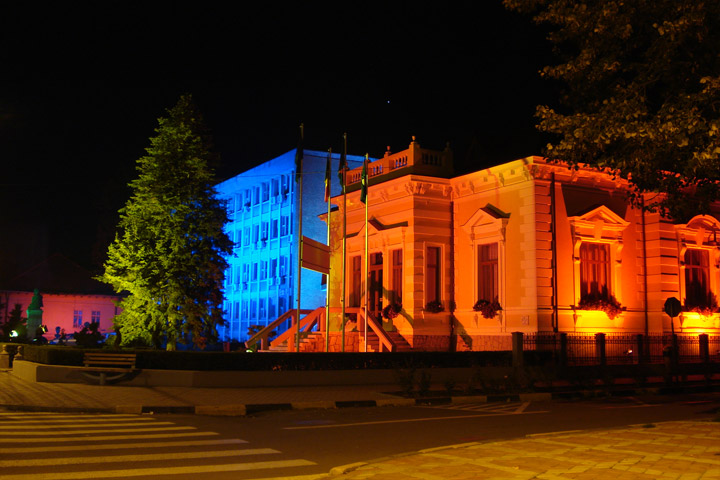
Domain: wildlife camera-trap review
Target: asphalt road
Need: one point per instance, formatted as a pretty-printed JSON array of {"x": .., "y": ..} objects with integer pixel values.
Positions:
[{"x": 295, "y": 443}]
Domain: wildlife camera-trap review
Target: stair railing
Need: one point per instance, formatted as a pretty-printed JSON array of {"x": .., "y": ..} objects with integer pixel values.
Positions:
[
  {"x": 384, "y": 339},
  {"x": 262, "y": 335},
  {"x": 306, "y": 324}
]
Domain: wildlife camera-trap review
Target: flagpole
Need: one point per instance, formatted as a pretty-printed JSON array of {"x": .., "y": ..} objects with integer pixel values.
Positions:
[
  {"x": 327, "y": 285},
  {"x": 367, "y": 260},
  {"x": 298, "y": 177},
  {"x": 343, "y": 166}
]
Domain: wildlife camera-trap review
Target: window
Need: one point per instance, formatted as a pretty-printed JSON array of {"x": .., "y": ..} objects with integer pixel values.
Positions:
[
  {"x": 256, "y": 195},
  {"x": 274, "y": 187},
  {"x": 273, "y": 268},
  {"x": 487, "y": 257},
  {"x": 595, "y": 270},
  {"x": 246, "y": 236},
  {"x": 265, "y": 192},
  {"x": 254, "y": 272},
  {"x": 697, "y": 279},
  {"x": 271, "y": 309},
  {"x": 396, "y": 276},
  {"x": 355, "y": 280},
  {"x": 286, "y": 184},
  {"x": 255, "y": 233},
  {"x": 263, "y": 269},
  {"x": 77, "y": 319},
  {"x": 432, "y": 275},
  {"x": 274, "y": 229},
  {"x": 284, "y": 226},
  {"x": 95, "y": 316},
  {"x": 264, "y": 231}
]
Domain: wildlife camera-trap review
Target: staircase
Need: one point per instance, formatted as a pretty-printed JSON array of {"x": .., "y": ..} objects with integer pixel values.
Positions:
[
  {"x": 312, "y": 342},
  {"x": 401, "y": 345}
]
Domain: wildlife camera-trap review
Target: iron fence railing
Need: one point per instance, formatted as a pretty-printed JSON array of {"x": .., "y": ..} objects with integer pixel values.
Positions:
[{"x": 618, "y": 349}]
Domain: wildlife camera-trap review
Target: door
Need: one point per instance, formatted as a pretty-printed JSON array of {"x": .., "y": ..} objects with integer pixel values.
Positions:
[{"x": 375, "y": 282}]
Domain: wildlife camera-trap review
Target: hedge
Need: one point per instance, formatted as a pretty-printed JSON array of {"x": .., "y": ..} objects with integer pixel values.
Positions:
[{"x": 190, "y": 360}]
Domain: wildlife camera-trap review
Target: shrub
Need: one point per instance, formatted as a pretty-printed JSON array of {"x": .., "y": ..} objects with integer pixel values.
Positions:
[
  {"x": 487, "y": 308},
  {"x": 89, "y": 336},
  {"x": 434, "y": 307},
  {"x": 391, "y": 311},
  {"x": 607, "y": 304}
]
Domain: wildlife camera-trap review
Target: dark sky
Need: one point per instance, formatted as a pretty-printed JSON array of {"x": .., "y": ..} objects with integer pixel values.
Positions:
[{"x": 82, "y": 84}]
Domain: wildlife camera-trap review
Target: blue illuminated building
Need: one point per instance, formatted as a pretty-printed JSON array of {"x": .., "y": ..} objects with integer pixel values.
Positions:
[{"x": 263, "y": 224}]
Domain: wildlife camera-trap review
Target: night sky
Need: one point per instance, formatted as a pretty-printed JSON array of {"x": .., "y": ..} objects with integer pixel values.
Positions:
[{"x": 82, "y": 85}]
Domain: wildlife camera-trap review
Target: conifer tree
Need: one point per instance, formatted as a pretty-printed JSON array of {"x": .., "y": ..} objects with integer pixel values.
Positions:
[
  {"x": 641, "y": 94},
  {"x": 168, "y": 253}
]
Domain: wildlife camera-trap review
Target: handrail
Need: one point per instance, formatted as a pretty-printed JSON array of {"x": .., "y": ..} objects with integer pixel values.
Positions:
[
  {"x": 311, "y": 318},
  {"x": 262, "y": 335},
  {"x": 385, "y": 340}
]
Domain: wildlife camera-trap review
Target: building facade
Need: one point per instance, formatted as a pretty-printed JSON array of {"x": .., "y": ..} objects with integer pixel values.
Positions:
[
  {"x": 527, "y": 246},
  {"x": 263, "y": 203},
  {"x": 71, "y": 297}
]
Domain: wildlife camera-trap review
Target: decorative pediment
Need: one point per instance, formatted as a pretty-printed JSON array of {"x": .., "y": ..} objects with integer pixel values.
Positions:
[
  {"x": 599, "y": 222},
  {"x": 375, "y": 226},
  {"x": 486, "y": 220},
  {"x": 701, "y": 230}
]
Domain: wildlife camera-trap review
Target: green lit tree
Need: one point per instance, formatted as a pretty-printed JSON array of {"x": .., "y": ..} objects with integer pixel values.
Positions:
[
  {"x": 15, "y": 322},
  {"x": 640, "y": 96},
  {"x": 168, "y": 253}
]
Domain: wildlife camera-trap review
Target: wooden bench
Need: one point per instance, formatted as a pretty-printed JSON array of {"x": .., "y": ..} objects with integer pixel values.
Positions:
[{"x": 97, "y": 366}]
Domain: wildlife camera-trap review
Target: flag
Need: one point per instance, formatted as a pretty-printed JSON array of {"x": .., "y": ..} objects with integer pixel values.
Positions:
[
  {"x": 343, "y": 162},
  {"x": 299, "y": 154},
  {"x": 364, "y": 181},
  {"x": 327, "y": 176}
]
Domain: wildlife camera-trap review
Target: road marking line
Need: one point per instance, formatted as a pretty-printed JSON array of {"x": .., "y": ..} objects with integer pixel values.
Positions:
[
  {"x": 45, "y": 426},
  {"x": 115, "y": 430},
  {"x": 631, "y": 406},
  {"x": 44, "y": 462},
  {"x": 138, "y": 472},
  {"x": 522, "y": 408},
  {"x": 457, "y": 417},
  {"x": 559, "y": 432},
  {"x": 77, "y": 420},
  {"x": 56, "y": 415},
  {"x": 114, "y": 446},
  {"x": 97, "y": 438}
]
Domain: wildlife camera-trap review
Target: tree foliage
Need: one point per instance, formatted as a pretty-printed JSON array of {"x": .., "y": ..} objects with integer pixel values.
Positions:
[
  {"x": 168, "y": 252},
  {"x": 641, "y": 94}
]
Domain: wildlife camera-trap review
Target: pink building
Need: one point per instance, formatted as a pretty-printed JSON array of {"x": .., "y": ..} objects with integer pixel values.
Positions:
[
  {"x": 71, "y": 297},
  {"x": 526, "y": 246}
]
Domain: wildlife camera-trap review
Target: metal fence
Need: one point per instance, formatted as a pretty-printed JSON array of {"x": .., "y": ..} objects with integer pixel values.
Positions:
[{"x": 615, "y": 349}]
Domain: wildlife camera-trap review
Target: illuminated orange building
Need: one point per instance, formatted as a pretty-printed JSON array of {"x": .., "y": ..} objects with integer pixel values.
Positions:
[{"x": 526, "y": 246}]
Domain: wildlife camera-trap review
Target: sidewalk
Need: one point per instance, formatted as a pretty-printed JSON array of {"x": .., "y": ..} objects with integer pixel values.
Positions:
[
  {"x": 672, "y": 450},
  {"x": 18, "y": 394}
]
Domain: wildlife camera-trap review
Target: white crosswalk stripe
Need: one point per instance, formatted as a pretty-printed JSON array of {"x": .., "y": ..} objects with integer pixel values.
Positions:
[
  {"x": 35, "y": 446},
  {"x": 509, "y": 408}
]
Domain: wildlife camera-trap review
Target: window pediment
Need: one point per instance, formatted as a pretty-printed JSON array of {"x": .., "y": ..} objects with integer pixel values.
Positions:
[
  {"x": 598, "y": 223},
  {"x": 701, "y": 230},
  {"x": 486, "y": 220}
]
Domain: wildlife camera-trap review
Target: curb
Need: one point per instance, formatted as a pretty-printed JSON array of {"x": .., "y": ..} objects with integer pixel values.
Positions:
[{"x": 249, "y": 409}]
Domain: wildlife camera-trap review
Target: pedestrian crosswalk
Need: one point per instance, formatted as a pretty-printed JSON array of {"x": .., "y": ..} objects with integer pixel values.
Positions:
[
  {"x": 47, "y": 446},
  {"x": 494, "y": 408}
]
